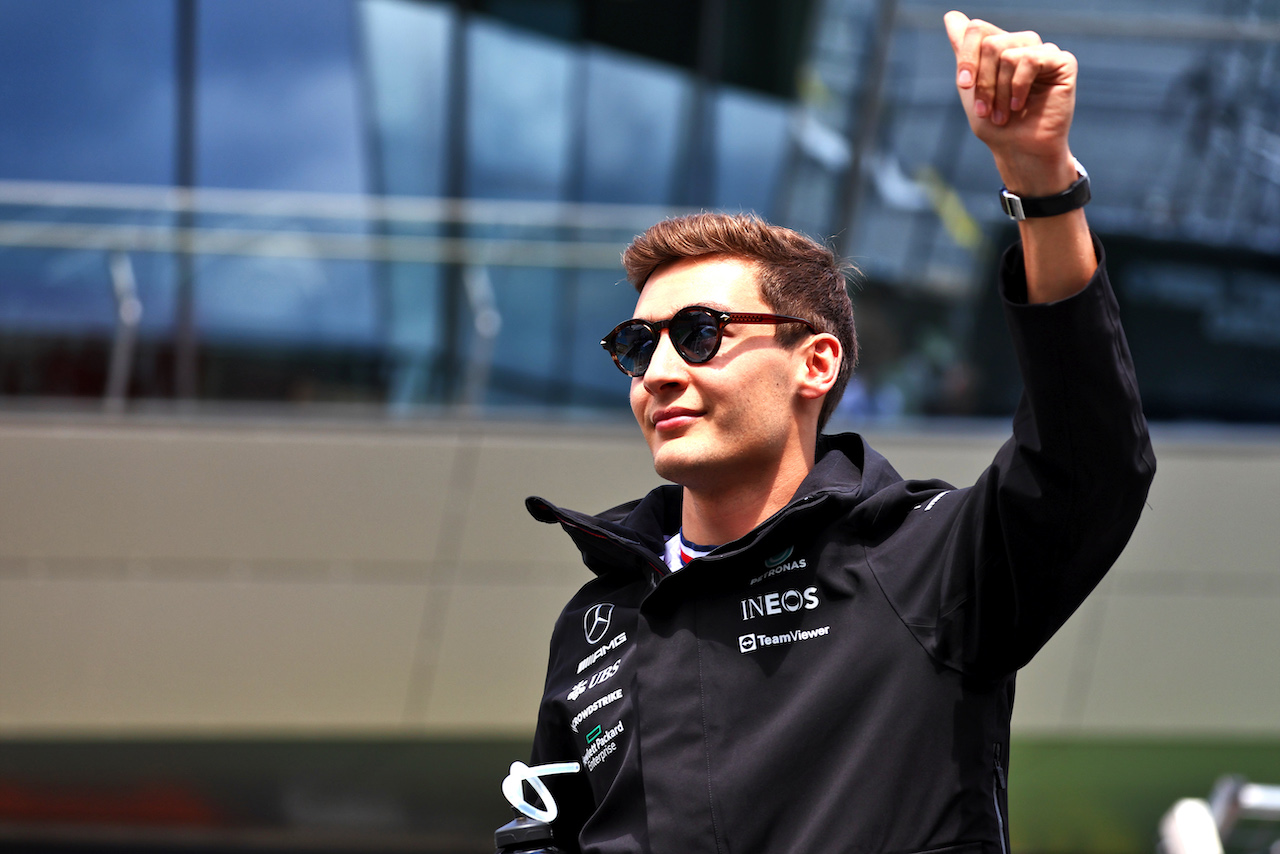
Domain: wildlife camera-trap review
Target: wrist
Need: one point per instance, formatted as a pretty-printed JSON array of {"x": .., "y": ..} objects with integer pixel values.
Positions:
[
  {"x": 1076, "y": 196},
  {"x": 1037, "y": 176}
]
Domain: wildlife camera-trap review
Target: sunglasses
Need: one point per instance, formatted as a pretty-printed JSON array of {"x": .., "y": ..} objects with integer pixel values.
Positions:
[{"x": 696, "y": 332}]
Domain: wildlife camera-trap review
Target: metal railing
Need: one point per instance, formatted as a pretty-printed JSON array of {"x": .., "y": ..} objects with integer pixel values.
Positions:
[
  {"x": 325, "y": 226},
  {"x": 570, "y": 226}
]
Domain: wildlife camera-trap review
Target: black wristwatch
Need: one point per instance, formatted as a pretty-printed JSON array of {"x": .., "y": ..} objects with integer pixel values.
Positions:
[{"x": 1025, "y": 207}]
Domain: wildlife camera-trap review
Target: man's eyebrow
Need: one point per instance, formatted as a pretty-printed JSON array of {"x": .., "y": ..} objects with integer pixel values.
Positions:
[{"x": 716, "y": 306}]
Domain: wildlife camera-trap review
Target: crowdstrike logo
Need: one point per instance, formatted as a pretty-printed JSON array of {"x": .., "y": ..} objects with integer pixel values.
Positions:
[
  {"x": 590, "y": 710},
  {"x": 751, "y": 643},
  {"x": 595, "y": 623}
]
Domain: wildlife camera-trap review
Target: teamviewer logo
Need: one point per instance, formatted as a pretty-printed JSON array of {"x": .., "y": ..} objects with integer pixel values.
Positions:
[{"x": 747, "y": 643}]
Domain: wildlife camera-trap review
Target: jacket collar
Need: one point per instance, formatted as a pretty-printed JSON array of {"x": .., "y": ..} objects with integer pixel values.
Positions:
[{"x": 630, "y": 537}]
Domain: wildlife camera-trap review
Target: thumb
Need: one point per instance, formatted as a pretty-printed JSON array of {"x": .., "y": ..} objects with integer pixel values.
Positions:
[{"x": 956, "y": 22}]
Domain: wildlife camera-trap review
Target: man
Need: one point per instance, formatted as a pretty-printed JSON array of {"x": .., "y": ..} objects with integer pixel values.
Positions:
[{"x": 793, "y": 649}]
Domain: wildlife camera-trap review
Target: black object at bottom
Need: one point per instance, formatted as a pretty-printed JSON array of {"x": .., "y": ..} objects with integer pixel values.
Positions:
[{"x": 524, "y": 835}]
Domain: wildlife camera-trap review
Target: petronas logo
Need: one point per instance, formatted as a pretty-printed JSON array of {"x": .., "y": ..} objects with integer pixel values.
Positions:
[{"x": 780, "y": 558}]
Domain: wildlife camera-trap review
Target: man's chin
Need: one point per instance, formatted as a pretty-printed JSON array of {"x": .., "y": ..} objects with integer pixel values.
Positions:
[
  {"x": 679, "y": 462},
  {"x": 670, "y": 461}
]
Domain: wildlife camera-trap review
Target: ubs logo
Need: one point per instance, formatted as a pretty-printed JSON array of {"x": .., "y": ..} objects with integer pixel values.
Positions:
[{"x": 595, "y": 623}]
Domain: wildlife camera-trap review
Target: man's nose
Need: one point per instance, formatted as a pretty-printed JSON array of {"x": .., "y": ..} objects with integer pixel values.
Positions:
[{"x": 665, "y": 366}]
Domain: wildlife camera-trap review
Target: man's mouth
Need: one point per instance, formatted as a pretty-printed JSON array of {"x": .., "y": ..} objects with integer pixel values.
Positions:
[{"x": 673, "y": 418}]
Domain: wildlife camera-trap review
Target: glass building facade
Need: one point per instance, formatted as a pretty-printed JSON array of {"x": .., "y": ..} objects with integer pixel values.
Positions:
[{"x": 415, "y": 206}]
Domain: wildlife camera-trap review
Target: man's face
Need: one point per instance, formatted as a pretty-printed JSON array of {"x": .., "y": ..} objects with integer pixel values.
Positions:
[{"x": 734, "y": 417}]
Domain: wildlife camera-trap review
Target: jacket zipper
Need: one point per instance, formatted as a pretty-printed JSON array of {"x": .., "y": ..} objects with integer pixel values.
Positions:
[{"x": 1001, "y": 784}]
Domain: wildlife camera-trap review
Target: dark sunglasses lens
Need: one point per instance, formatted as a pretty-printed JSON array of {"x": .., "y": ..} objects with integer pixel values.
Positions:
[
  {"x": 633, "y": 345},
  {"x": 696, "y": 335}
]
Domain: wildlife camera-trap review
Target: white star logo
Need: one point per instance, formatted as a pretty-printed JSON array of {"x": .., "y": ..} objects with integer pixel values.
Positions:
[{"x": 596, "y": 622}]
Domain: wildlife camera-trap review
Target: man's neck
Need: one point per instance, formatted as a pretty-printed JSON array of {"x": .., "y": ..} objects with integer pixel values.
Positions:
[{"x": 718, "y": 515}]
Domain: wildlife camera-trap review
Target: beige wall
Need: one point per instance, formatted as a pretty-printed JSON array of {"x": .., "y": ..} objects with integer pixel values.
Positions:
[{"x": 208, "y": 578}]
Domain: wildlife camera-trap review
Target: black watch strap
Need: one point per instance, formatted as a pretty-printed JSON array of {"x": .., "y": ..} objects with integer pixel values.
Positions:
[{"x": 1077, "y": 195}]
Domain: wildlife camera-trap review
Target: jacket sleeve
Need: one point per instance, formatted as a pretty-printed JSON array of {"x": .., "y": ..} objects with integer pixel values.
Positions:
[{"x": 1050, "y": 516}]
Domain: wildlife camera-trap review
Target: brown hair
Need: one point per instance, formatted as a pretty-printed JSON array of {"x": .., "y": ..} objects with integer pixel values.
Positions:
[{"x": 797, "y": 276}]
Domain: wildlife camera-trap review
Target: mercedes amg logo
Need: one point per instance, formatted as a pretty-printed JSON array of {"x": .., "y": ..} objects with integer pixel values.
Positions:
[{"x": 596, "y": 622}]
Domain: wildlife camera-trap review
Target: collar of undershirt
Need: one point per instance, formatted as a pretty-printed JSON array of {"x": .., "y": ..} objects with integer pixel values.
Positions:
[{"x": 681, "y": 550}]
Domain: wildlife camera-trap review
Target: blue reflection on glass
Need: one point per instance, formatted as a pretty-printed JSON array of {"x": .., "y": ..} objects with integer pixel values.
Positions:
[
  {"x": 279, "y": 91},
  {"x": 87, "y": 91},
  {"x": 632, "y": 127},
  {"x": 406, "y": 53},
  {"x": 278, "y": 109},
  {"x": 407, "y": 57},
  {"x": 751, "y": 147},
  {"x": 605, "y": 299},
  {"x": 286, "y": 299},
  {"x": 518, "y": 138},
  {"x": 277, "y": 96}
]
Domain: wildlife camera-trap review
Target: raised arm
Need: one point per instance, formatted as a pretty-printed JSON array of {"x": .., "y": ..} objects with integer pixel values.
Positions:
[{"x": 1019, "y": 94}]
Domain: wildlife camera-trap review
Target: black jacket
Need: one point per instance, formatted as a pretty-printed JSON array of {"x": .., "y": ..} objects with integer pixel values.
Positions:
[{"x": 842, "y": 677}]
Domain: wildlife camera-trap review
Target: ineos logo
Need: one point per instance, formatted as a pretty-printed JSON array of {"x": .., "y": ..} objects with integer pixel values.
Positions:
[
  {"x": 596, "y": 622},
  {"x": 788, "y": 601}
]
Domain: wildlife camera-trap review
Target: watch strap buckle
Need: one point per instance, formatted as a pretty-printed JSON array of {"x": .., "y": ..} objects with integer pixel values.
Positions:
[{"x": 1011, "y": 205}]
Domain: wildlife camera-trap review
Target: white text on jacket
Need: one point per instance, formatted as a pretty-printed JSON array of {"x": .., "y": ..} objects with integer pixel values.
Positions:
[
  {"x": 786, "y": 602},
  {"x": 600, "y": 653}
]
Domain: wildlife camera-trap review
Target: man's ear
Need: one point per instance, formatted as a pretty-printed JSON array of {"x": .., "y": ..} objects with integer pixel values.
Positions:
[{"x": 821, "y": 365}]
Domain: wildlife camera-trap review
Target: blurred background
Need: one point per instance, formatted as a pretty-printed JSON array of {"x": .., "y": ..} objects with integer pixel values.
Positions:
[{"x": 300, "y": 299}]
